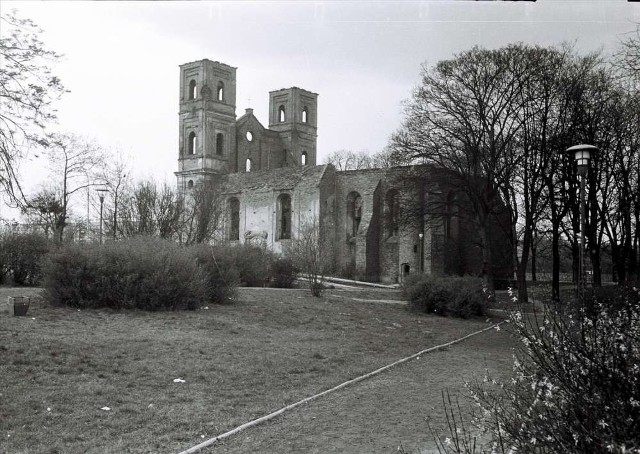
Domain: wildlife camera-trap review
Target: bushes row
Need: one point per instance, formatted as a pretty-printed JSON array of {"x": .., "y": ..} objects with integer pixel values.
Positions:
[
  {"x": 21, "y": 257},
  {"x": 152, "y": 274},
  {"x": 140, "y": 273},
  {"x": 455, "y": 296},
  {"x": 257, "y": 267}
]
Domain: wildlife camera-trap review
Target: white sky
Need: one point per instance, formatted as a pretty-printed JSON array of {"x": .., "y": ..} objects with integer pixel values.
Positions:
[{"x": 362, "y": 58}]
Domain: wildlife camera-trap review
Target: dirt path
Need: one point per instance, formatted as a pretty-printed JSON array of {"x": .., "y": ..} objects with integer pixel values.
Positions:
[{"x": 377, "y": 415}]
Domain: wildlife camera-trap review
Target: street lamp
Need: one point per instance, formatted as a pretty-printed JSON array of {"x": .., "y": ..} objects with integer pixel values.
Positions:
[
  {"x": 101, "y": 193},
  {"x": 421, "y": 236},
  {"x": 582, "y": 155}
]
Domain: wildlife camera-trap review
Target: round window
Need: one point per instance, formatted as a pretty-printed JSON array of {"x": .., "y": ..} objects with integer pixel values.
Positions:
[{"x": 249, "y": 136}]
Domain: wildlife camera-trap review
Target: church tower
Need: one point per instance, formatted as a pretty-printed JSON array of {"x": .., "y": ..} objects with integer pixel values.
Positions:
[
  {"x": 293, "y": 112},
  {"x": 207, "y": 121}
]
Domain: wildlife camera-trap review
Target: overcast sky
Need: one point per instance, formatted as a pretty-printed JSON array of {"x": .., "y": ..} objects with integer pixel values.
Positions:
[{"x": 362, "y": 58}]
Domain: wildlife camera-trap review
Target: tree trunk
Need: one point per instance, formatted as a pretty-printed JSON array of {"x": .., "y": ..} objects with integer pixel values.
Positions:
[
  {"x": 521, "y": 273},
  {"x": 487, "y": 260},
  {"x": 555, "y": 252},
  {"x": 534, "y": 276}
]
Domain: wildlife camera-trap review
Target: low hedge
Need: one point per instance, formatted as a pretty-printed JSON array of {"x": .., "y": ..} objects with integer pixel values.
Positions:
[
  {"x": 153, "y": 274},
  {"x": 21, "y": 258},
  {"x": 447, "y": 295},
  {"x": 140, "y": 273},
  {"x": 218, "y": 264}
]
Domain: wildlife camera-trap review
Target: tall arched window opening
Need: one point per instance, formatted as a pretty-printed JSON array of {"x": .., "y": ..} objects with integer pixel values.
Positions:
[
  {"x": 305, "y": 115},
  {"x": 354, "y": 213},
  {"x": 449, "y": 209},
  {"x": 281, "y": 115},
  {"x": 392, "y": 213},
  {"x": 193, "y": 142},
  {"x": 303, "y": 158},
  {"x": 219, "y": 143},
  {"x": 234, "y": 219},
  {"x": 193, "y": 90},
  {"x": 220, "y": 91},
  {"x": 247, "y": 165},
  {"x": 283, "y": 213}
]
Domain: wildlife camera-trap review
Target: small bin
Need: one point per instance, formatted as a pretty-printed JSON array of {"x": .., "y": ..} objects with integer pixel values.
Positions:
[{"x": 20, "y": 305}]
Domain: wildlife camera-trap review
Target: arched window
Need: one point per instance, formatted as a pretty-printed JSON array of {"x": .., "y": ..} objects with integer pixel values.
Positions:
[
  {"x": 354, "y": 213},
  {"x": 449, "y": 212},
  {"x": 247, "y": 165},
  {"x": 193, "y": 91},
  {"x": 283, "y": 213},
  {"x": 234, "y": 219},
  {"x": 281, "y": 115},
  {"x": 219, "y": 143},
  {"x": 392, "y": 213},
  {"x": 303, "y": 158},
  {"x": 193, "y": 142},
  {"x": 190, "y": 184},
  {"x": 220, "y": 91},
  {"x": 305, "y": 115}
]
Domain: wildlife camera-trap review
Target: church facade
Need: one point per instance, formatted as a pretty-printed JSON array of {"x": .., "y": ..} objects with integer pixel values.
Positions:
[{"x": 270, "y": 186}]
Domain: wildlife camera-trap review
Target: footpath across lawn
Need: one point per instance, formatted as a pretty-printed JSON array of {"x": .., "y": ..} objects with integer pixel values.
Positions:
[{"x": 105, "y": 382}]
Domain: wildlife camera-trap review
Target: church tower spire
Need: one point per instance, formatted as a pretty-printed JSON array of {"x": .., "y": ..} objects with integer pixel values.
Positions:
[
  {"x": 206, "y": 124},
  {"x": 293, "y": 112}
]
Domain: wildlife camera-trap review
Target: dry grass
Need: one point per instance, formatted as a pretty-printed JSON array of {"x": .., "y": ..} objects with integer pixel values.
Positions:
[{"x": 59, "y": 367}]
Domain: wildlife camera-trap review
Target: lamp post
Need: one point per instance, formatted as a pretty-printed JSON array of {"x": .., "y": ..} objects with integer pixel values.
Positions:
[
  {"x": 101, "y": 193},
  {"x": 582, "y": 155},
  {"x": 421, "y": 236}
]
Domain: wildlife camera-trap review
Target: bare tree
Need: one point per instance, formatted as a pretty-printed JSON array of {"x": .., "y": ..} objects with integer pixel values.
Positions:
[
  {"x": 202, "y": 215},
  {"x": 462, "y": 118},
  {"x": 311, "y": 253},
  {"x": 350, "y": 160},
  {"x": 28, "y": 90},
  {"x": 45, "y": 209},
  {"x": 627, "y": 59},
  {"x": 151, "y": 210},
  {"x": 114, "y": 174},
  {"x": 74, "y": 163},
  {"x": 344, "y": 160}
]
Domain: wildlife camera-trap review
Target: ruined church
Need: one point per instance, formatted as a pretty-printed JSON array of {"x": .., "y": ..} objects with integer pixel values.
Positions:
[{"x": 270, "y": 185}]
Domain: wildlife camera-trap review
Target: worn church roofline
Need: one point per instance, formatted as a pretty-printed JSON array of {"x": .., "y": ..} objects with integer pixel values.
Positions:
[
  {"x": 394, "y": 169},
  {"x": 266, "y": 131},
  {"x": 274, "y": 179},
  {"x": 294, "y": 88},
  {"x": 246, "y": 117},
  {"x": 207, "y": 60}
]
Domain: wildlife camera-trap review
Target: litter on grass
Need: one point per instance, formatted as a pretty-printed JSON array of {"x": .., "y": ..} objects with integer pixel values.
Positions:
[
  {"x": 105, "y": 408},
  {"x": 179, "y": 380}
]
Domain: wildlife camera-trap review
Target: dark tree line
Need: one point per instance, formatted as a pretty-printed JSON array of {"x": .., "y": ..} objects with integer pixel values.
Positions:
[{"x": 502, "y": 119}]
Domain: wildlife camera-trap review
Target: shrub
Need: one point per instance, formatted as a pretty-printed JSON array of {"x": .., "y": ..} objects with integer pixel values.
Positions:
[
  {"x": 456, "y": 296},
  {"x": 612, "y": 298},
  {"x": 253, "y": 264},
  {"x": 21, "y": 257},
  {"x": 141, "y": 273},
  {"x": 283, "y": 273},
  {"x": 575, "y": 386},
  {"x": 219, "y": 268},
  {"x": 317, "y": 288}
]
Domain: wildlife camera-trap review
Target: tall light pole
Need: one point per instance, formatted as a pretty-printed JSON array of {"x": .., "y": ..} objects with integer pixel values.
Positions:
[
  {"x": 101, "y": 193},
  {"x": 582, "y": 155}
]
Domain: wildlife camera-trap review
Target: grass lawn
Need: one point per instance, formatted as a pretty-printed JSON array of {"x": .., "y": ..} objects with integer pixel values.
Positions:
[{"x": 59, "y": 367}]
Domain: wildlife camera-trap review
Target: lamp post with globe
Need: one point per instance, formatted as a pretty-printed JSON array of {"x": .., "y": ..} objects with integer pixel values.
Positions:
[{"x": 582, "y": 153}]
